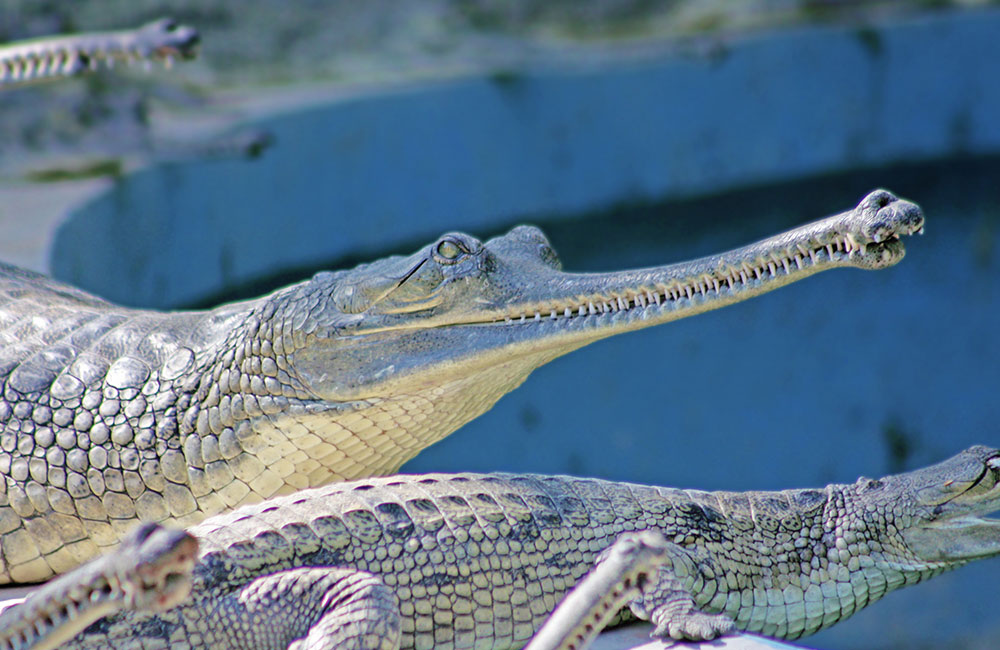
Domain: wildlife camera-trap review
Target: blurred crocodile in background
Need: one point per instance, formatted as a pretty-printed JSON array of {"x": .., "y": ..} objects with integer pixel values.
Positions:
[
  {"x": 151, "y": 572},
  {"x": 460, "y": 561},
  {"x": 64, "y": 56},
  {"x": 109, "y": 415}
]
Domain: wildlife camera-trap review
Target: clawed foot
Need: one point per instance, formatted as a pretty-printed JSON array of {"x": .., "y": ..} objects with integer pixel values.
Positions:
[{"x": 692, "y": 626}]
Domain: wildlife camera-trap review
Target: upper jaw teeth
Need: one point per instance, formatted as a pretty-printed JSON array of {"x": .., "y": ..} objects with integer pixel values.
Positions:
[{"x": 705, "y": 285}]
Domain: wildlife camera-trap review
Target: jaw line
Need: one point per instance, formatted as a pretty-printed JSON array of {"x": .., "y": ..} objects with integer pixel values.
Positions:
[
  {"x": 957, "y": 539},
  {"x": 666, "y": 299}
]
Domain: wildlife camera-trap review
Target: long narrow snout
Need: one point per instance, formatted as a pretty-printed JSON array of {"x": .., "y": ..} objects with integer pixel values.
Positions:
[{"x": 602, "y": 304}]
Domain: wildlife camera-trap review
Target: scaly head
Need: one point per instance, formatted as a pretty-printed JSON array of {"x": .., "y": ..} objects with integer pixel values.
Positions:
[
  {"x": 460, "y": 307},
  {"x": 433, "y": 339},
  {"x": 947, "y": 502},
  {"x": 151, "y": 571},
  {"x": 164, "y": 40},
  {"x": 153, "y": 566}
]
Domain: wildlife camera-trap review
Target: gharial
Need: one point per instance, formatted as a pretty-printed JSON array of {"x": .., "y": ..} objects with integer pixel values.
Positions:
[
  {"x": 110, "y": 414},
  {"x": 478, "y": 561},
  {"x": 150, "y": 572},
  {"x": 63, "y": 56}
]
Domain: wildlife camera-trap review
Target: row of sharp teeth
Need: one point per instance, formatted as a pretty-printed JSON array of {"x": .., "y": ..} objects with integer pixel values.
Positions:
[
  {"x": 66, "y": 62},
  {"x": 67, "y": 611},
  {"x": 705, "y": 284}
]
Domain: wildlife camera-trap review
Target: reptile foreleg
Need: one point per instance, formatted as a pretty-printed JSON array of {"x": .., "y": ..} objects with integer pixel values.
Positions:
[
  {"x": 670, "y": 605},
  {"x": 311, "y": 609},
  {"x": 623, "y": 572}
]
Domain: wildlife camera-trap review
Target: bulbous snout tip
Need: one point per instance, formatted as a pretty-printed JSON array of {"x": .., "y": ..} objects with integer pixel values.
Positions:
[{"x": 886, "y": 217}]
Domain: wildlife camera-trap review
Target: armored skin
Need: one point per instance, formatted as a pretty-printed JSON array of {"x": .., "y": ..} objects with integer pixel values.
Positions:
[
  {"x": 465, "y": 560},
  {"x": 109, "y": 415}
]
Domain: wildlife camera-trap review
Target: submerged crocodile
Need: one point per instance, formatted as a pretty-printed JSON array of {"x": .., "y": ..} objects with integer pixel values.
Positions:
[
  {"x": 110, "y": 414},
  {"x": 150, "y": 572},
  {"x": 63, "y": 56},
  {"x": 462, "y": 561}
]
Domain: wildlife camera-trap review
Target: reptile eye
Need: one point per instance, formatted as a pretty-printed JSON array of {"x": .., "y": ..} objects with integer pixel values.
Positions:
[{"x": 449, "y": 250}]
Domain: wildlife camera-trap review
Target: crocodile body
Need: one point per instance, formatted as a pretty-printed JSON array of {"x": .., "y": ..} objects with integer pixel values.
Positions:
[
  {"x": 62, "y": 56},
  {"x": 151, "y": 572},
  {"x": 479, "y": 561},
  {"x": 110, "y": 414}
]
